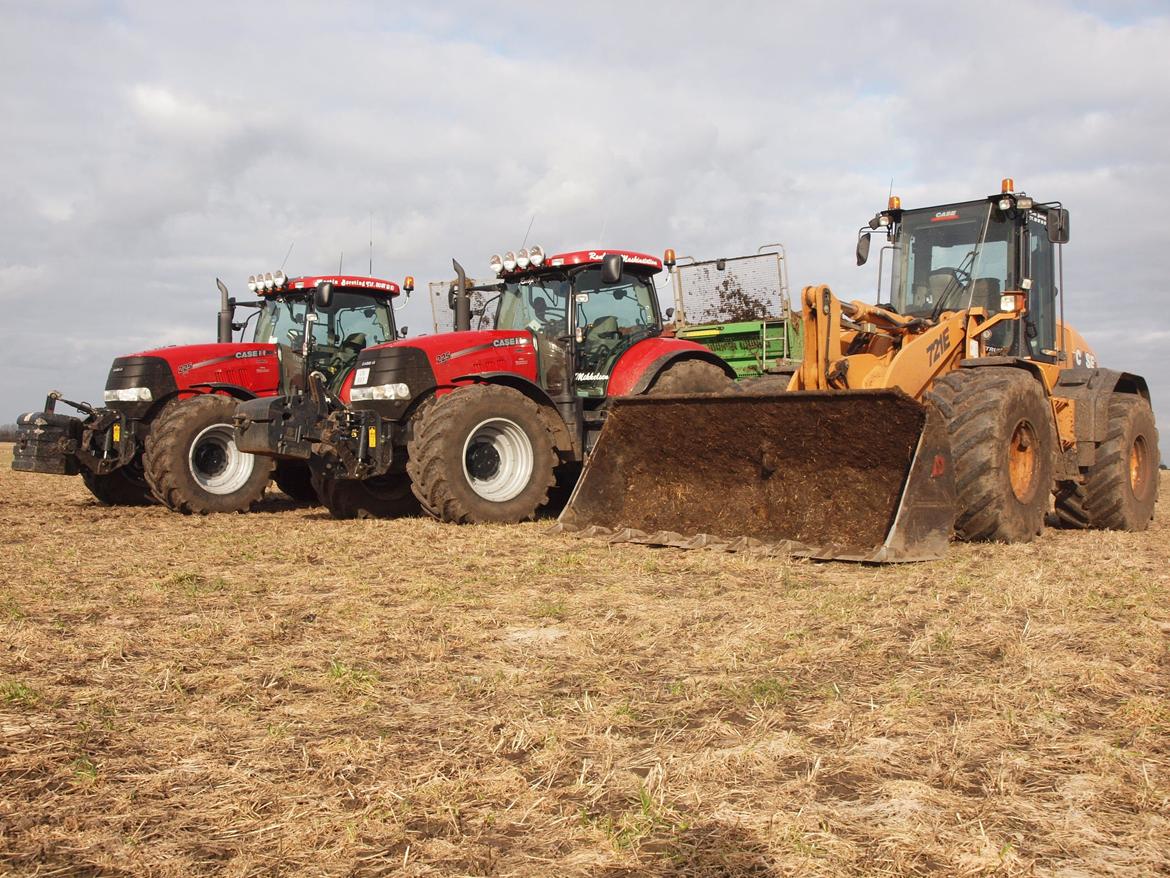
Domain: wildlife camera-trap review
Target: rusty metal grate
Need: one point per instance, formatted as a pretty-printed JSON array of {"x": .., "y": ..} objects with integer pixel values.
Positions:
[
  {"x": 732, "y": 289},
  {"x": 443, "y": 318}
]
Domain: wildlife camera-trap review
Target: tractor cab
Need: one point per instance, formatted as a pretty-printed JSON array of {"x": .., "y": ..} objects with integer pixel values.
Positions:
[
  {"x": 994, "y": 254},
  {"x": 322, "y": 333},
  {"x": 584, "y": 310}
]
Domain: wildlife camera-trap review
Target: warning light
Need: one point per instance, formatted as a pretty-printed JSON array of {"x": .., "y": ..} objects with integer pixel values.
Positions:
[
  {"x": 408, "y": 283},
  {"x": 895, "y": 203},
  {"x": 668, "y": 258},
  {"x": 1007, "y": 186}
]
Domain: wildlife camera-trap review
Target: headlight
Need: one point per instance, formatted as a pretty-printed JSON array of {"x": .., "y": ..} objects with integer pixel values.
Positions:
[
  {"x": 380, "y": 391},
  {"x": 129, "y": 394}
]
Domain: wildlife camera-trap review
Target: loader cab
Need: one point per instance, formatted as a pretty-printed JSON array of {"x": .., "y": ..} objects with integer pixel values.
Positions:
[
  {"x": 359, "y": 314},
  {"x": 584, "y": 310},
  {"x": 967, "y": 255}
]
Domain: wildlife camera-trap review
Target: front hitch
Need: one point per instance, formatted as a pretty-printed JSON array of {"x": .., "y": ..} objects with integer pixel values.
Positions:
[{"x": 48, "y": 442}]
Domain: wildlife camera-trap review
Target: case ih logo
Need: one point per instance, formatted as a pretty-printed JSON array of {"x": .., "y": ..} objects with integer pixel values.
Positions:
[
  {"x": 943, "y": 215},
  {"x": 509, "y": 342},
  {"x": 244, "y": 355}
]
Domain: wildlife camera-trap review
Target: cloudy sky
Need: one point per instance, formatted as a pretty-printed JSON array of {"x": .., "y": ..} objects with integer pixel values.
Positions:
[{"x": 150, "y": 147}]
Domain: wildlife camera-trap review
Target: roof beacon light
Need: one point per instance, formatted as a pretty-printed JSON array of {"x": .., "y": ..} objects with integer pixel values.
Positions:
[
  {"x": 509, "y": 261},
  {"x": 895, "y": 203},
  {"x": 1007, "y": 186},
  {"x": 408, "y": 283},
  {"x": 668, "y": 257},
  {"x": 496, "y": 264},
  {"x": 536, "y": 254},
  {"x": 522, "y": 258}
]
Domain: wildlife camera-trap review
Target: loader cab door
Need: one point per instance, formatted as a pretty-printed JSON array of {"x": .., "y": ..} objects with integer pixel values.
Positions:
[
  {"x": 1038, "y": 257},
  {"x": 609, "y": 319},
  {"x": 540, "y": 306}
]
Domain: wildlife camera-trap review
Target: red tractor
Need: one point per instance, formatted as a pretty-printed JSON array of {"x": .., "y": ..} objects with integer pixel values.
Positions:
[
  {"x": 476, "y": 425},
  {"x": 165, "y": 432}
]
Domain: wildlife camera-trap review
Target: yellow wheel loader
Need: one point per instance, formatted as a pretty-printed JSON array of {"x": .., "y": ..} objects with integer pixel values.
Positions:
[{"x": 961, "y": 406}]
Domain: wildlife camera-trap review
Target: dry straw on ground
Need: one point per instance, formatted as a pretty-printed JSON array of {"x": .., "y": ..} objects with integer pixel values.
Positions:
[{"x": 282, "y": 694}]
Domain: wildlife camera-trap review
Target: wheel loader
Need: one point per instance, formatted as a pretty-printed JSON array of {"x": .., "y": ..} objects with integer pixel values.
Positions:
[{"x": 963, "y": 405}]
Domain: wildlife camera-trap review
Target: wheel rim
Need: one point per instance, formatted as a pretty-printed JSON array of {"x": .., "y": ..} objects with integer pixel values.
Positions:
[
  {"x": 1022, "y": 459},
  {"x": 1138, "y": 472},
  {"x": 497, "y": 460},
  {"x": 216, "y": 465}
]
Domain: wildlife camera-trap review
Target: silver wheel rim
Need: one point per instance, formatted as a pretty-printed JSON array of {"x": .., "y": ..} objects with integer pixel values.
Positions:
[
  {"x": 498, "y": 460},
  {"x": 216, "y": 465}
]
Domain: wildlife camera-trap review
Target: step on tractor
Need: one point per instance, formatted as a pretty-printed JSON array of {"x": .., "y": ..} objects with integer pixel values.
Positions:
[
  {"x": 165, "y": 432},
  {"x": 477, "y": 425},
  {"x": 962, "y": 405}
]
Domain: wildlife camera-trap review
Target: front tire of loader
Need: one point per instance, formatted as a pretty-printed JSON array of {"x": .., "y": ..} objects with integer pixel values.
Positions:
[
  {"x": 295, "y": 480},
  {"x": 1002, "y": 444},
  {"x": 691, "y": 376},
  {"x": 118, "y": 488},
  {"x": 1121, "y": 486},
  {"x": 192, "y": 463},
  {"x": 385, "y": 496},
  {"x": 480, "y": 454}
]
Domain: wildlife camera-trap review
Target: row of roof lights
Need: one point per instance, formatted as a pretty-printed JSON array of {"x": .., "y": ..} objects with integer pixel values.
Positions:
[
  {"x": 521, "y": 259},
  {"x": 258, "y": 283}
]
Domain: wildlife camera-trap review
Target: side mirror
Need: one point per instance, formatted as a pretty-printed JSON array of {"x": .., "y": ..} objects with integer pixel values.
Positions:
[
  {"x": 1058, "y": 226},
  {"x": 402, "y": 330},
  {"x": 323, "y": 295},
  {"x": 611, "y": 268},
  {"x": 668, "y": 313},
  {"x": 863, "y": 249}
]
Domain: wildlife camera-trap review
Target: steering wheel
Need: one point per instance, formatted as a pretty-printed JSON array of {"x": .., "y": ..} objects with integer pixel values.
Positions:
[{"x": 296, "y": 339}]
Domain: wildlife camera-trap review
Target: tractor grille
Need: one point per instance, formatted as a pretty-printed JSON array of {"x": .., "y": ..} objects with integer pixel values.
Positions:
[{"x": 394, "y": 365}]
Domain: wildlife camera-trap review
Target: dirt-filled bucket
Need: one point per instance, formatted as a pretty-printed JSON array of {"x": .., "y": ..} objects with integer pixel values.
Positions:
[{"x": 857, "y": 475}]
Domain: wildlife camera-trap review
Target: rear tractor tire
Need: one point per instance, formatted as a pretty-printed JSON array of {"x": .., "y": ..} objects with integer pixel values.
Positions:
[
  {"x": 480, "y": 454},
  {"x": 1003, "y": 445},
  {"x": 691, "y": 376},
  {"x": 122, "y": 487},
  {"x": 1121, "y": 487},
  {"x": 386, "y": 496},
  {"x": 192, "y": 463}
]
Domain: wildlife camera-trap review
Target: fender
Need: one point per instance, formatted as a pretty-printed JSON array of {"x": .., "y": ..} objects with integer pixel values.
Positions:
[
  {"x": 235, "y": 390},
  {"x": 561, "y": 433},
  {"x": 638, "y": 366},
  {"x": 1091, "y": 390}
]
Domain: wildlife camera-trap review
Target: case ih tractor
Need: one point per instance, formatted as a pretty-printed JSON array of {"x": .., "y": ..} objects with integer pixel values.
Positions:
[
  {"x": 473, "y": 425},
  {"x": 165, "y": 432}
]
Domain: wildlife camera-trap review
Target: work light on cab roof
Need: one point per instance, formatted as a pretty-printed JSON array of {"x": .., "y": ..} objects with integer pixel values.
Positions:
[{"x": 517, "y": 260}]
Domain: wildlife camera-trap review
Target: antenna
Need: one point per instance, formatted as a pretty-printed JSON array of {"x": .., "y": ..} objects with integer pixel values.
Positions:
[
  {"x": 340, "y": 261},
  {"x": 601, "y": 237},
  {"x": 286, "y": 255},
  {"x": 371, "y": 244},
  {"x": 891, "y": 192},
  {"x": 526, "y": 234}
]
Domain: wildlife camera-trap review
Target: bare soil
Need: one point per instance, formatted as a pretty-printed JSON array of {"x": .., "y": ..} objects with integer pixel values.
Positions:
[{"x": 283, "y": 694}]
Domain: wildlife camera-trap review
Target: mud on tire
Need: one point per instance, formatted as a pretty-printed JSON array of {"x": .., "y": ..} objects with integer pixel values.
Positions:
[
  {"x": 386, "y": 496},
  {"x": 124, "y": 486},
  {"x": 191, "y": 461},
  {"x": 691, "y": 376},
  {"x": 1003, "y": 444},
  {"x": 482, "y": 453},
  {"x": 1121, "y": 486}
]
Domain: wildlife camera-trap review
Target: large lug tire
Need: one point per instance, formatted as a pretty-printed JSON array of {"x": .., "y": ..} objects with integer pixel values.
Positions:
[
  {"x": 482, "y": 453},
  {"x": 386, "y": 496},
  {"x": 691, "y": 376},
  {"x": 1069, "y": 506},
  {"x": 1121, "y": 486},
  {"x": 295, "y": 479},
  {"x": 1003, "y": 444},
  {"x": 123, "y": 487},
  {"x": 192, "y": 463}
]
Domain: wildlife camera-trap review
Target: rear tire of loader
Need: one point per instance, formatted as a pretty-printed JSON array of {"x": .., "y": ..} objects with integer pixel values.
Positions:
[
  {"x": 691, "y": 376},
  {"x": 480, "y": 454},
  {"x": 119, "y": 488},
  {"x": 192, "y": 463},
  {"x": 296, "y": 480},
  {"x": 1002, "y": 444},
  {"x": 1121, "y": 486},
  {"x": 385, "y": 496}
]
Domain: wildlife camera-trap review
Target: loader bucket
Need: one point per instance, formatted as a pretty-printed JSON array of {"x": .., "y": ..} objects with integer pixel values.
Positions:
[{"x": 853, "y": 475}]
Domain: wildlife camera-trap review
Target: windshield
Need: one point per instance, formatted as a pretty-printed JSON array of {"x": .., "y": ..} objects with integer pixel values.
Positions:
[
  {"x": 536, "y": 304},
  {"x": 352, "y": 319},
  {"x": 951, "y": 256}
]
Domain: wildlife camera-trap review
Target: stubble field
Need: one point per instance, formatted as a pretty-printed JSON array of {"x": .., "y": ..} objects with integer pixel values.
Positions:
[{"x": 283, "y": 694}]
